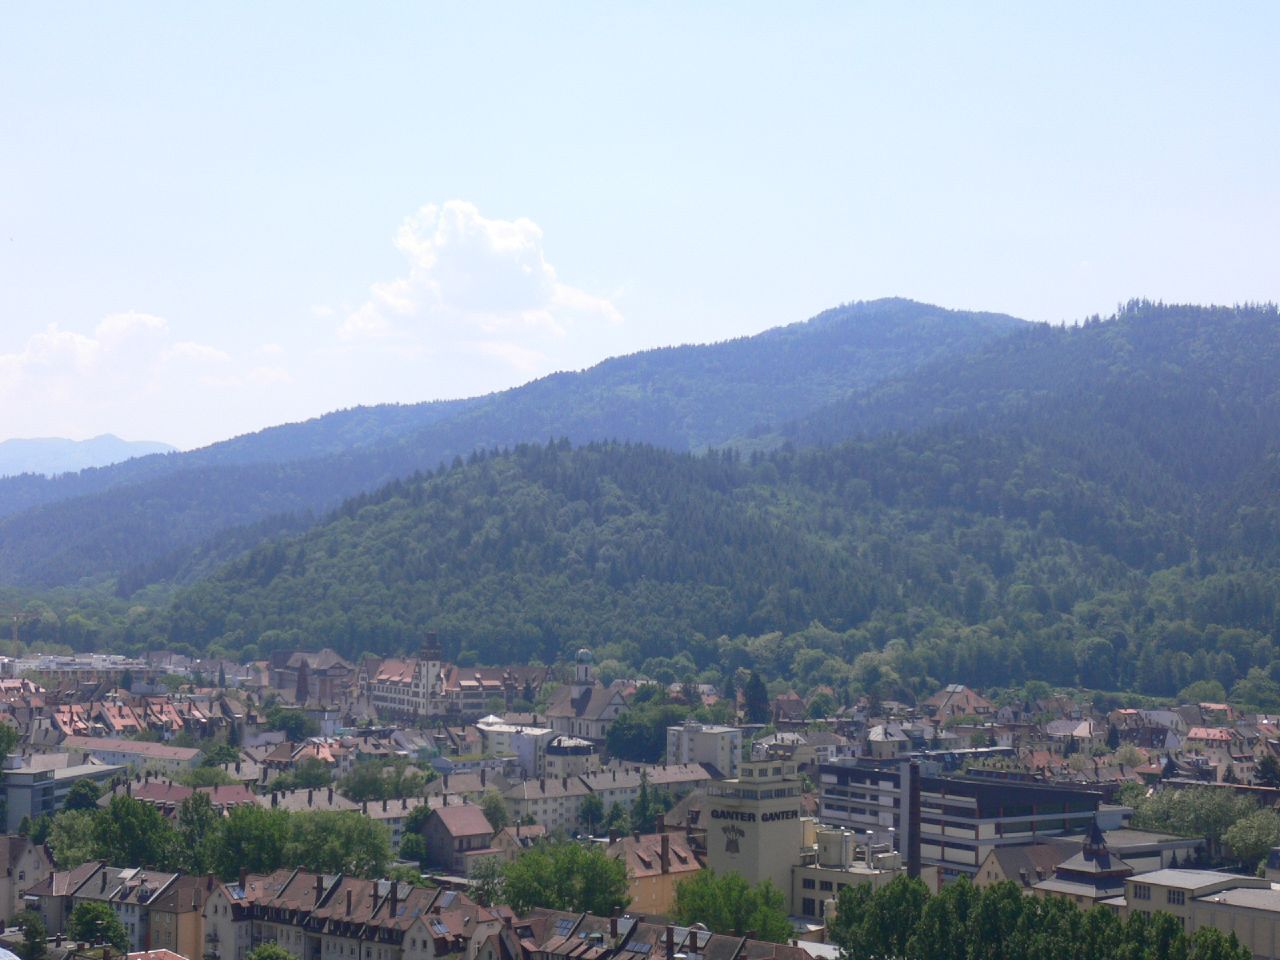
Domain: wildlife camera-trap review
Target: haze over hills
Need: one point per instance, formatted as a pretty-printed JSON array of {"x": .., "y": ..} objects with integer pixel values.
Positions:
[
  {"x": 1117, "y": 526},
  {"x": 50, "y": 456},
  {"x": 159, "y": 517},
  {"x": 1095, "y": 506}
]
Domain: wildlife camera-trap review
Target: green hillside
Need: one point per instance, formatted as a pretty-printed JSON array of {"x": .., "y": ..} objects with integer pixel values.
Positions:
[
  {"x": 1117, "y": 529},
  {"x": 142, "y": 521}
]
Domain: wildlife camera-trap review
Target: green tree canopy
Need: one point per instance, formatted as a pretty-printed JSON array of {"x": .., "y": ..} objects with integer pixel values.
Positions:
[
  {"x": 755, "y": 706},
  {"x": 329, "y": 841},
  {"x": 34, "y": 936},
  {"x": 1191, "y": 811},
  {"x": 269, "y": 951},
  {"x": 71, "y": 838},
  {"x": 495, "y": 809},
  {"x": 726, "y": 903},
  {"x": 94, "y": 922},
  {"x": 250, "y": 837},
  {"x": 1250, "y": 838},
  {"x": 83, "y": 795},
  {"x": 130, "y": 833},
  {"x": 566, "y": 876}
]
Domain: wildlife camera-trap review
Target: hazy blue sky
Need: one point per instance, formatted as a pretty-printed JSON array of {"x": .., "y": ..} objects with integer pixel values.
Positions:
[{"x": 218, "y": 217}]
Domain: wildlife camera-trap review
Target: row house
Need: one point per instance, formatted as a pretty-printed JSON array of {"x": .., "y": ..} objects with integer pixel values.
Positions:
[
  {"x": 132, "y": 894},
  {"x": 161, "y": 716},
  {"x": 167, "y": 796},
  {"x": 338, "y": 754},
  {"x": 392, "y": 814},
  {"x": 556, "y": 935},
  {"x": 317, "y": 917},
  {"x": 556, "y": 803},
  {"x": 24, "y": 864}
]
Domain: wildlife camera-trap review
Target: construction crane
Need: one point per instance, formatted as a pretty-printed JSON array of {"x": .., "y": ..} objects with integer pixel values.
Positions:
[{"x": 17, "y": 617}]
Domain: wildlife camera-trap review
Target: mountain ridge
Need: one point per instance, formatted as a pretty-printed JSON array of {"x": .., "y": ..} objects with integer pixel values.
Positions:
[
  {"x": 50, "y": 456},
  {"x": 689, "y": 397}
]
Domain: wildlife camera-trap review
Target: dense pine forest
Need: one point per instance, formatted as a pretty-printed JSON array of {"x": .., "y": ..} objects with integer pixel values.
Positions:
[{"x": 1096, "y": 506}]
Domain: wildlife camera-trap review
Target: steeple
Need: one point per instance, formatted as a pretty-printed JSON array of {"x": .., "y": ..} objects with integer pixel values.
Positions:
[{"x": 583, "y": 672}]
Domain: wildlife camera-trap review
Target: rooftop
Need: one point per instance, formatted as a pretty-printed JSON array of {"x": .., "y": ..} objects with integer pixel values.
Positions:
[{"x": 1252, "y": 897}]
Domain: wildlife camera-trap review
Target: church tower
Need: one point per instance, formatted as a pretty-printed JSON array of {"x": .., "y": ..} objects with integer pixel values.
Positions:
[{"x": 583, "y": 673}]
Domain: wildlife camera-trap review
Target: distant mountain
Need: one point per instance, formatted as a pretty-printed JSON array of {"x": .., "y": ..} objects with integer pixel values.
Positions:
[
  {"x": 162, "y": 517},
  {"x": 51, "y": 456},
  {"x": 1096, "y": 505}
]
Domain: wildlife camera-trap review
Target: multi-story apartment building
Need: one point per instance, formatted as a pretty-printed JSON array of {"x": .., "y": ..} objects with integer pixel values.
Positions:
[
  {"x": 718, "y": 746},
  {"x": 317, "y": 917}
]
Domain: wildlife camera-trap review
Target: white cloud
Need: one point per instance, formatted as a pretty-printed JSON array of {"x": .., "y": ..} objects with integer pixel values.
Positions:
[
  {"x": 130, "y": 375},
  {"x": 471, "y": 277}
]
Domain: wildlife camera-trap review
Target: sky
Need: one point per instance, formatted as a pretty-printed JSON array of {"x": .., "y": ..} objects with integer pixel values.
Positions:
[{"x": 218, "y": 217}]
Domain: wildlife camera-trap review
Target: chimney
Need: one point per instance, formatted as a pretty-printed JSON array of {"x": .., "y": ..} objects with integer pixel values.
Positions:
[
  {"x": 482, "y": 773},
  {"x": 395, "y": 896},
  {"x": 364, "y": 807},
  {"x": 348, "y": 901},
  {"x": 446, "y": 781},
  {"x": 614, "y": 835},
  {"x": 660, "y": 823},
  {"x": 613, "y": 927},
  {"x": 665, "y": 855},
  {"x": 244, "y": 876},
  {"x": 275, "y": 801},
  {"x": 319, "y": 887},
  {"x": 384, "y": 806},
  {"x": 237, "y": 766},
  {"x": 671, "y": 941},
  {"x": 104, "y": 881},
  {"x": 331, "y": 796}
]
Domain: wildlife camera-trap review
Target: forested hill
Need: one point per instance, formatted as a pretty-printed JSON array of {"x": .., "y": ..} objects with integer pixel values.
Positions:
[
  {"x": 887, "y": 564},
  {"x": 156, "y": 518},
  {"x": 1174, "y": 402},
  {"x": 1061, "y": 537},
  {"x": 1099, "y": 507}
]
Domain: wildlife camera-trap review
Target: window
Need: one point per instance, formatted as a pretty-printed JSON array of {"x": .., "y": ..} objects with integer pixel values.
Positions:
[
  {"x": 808, "y": 907},
  {"x": 825, "y": 885},
  {"x": 1141, "y": 891},
  {"x": 807, "y": 883},
  {"x": 1176, "y": 897}
]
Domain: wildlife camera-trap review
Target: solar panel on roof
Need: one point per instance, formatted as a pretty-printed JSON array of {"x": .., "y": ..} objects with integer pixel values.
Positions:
[
  {"x": 640, "y": 948},
  {"x": 564, "y": 926}
]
